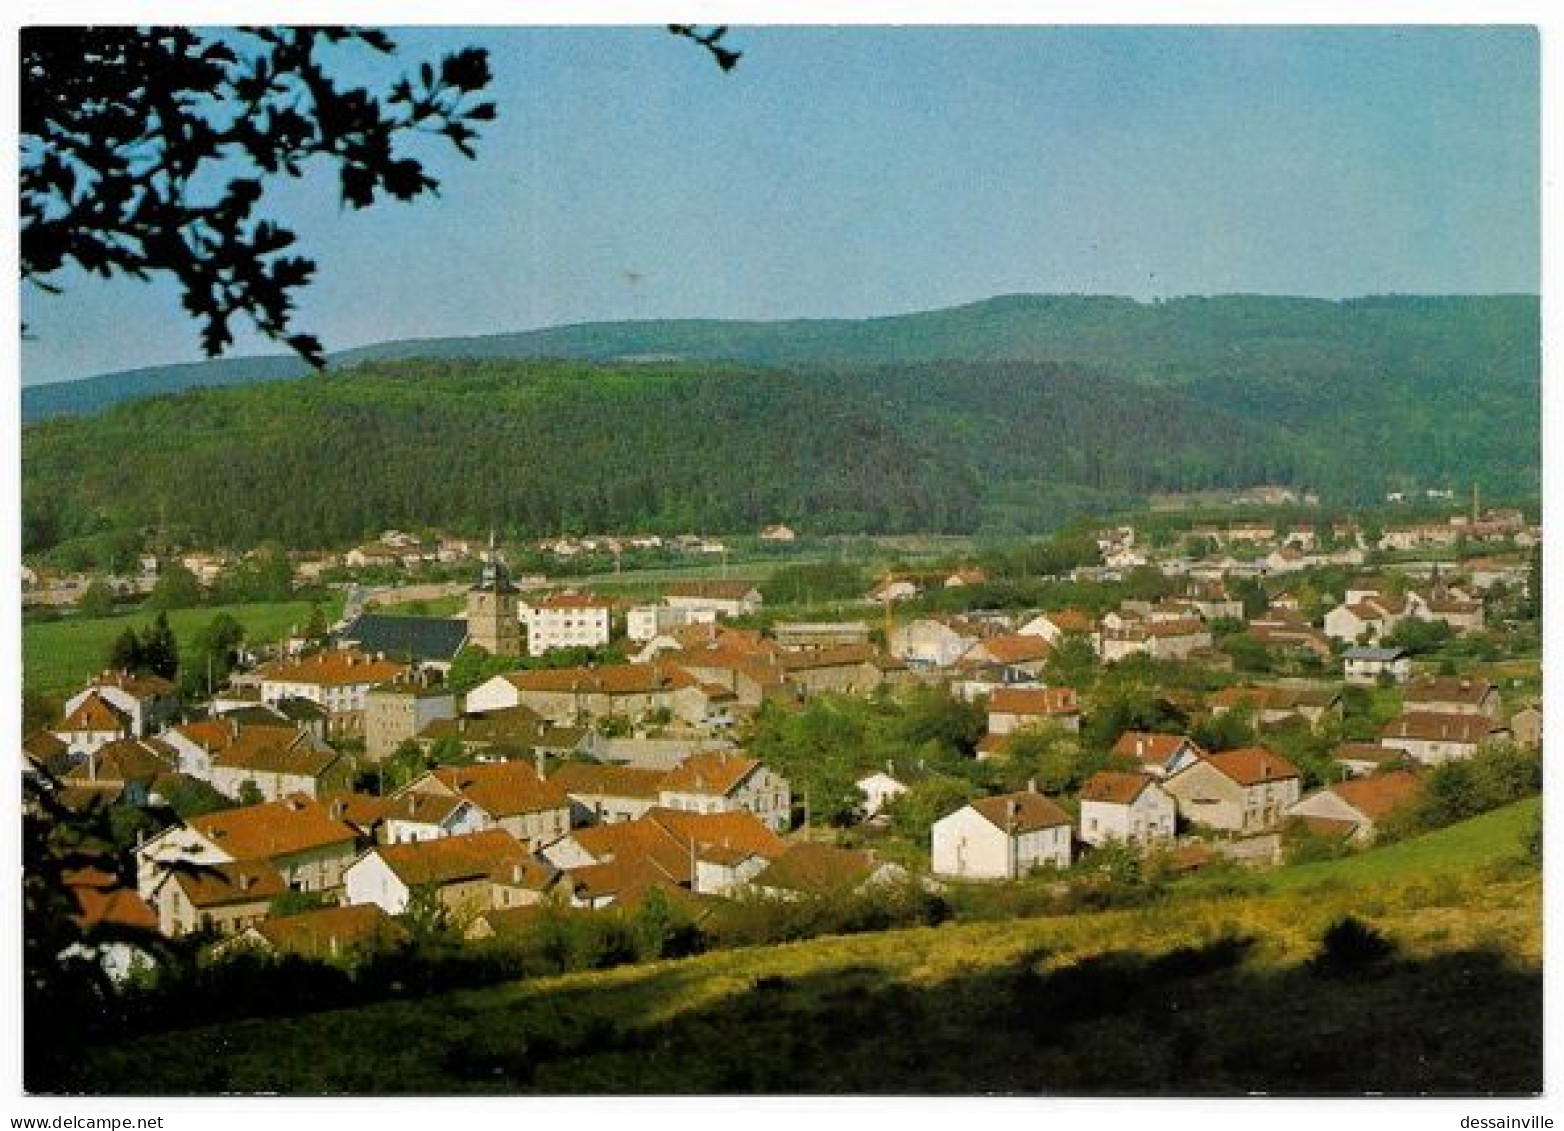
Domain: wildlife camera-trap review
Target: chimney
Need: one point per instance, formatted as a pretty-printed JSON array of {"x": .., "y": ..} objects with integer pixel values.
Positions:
[
  {"x": 339, "y": 809},
  {"x": 515, "y": 874},
  {"x": 537, "y": 760},
  {"x": 1031, "y": 785}
]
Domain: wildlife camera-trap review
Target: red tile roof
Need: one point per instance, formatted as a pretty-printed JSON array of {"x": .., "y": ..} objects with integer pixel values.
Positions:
[
  {"x": 94, "y": 713},
  {"x": 1435, "y": 726},
  {"x": 125, "y": 760},
  {"x": 491, "y": 853},
  {"x": 1014, "y": 648},
  {"x": 1447, "y": 689},
  {"x": 597, "y": 779},
  {"x": 817, "y": 868},
  {"x": 140, "y": 685},
  {"x": 337, "y": 668},
  {"x": 1378, "y": 795},
  {"x": 738, "y": 829},
  {"x": 1151, "y": 748},
  {"x": 330, "y": 931},
  {"x": 1253, "y": 765},
  {"x": 571, "y": 601},
  {"x": 277, "y": 828},
  {"x": 1114, "y": 787},
  {"x": 504, "y": 789},
  {"x": 610, "y": 679},
  {"x": 219, "y": 885},
  {"x": 1021, "y": 812},
  {"x": 276, "y": 750},
  {"x": 715, "y": 773},
  {"x": 1034, "y": 701},
  {"x": 103, "y": 900}
]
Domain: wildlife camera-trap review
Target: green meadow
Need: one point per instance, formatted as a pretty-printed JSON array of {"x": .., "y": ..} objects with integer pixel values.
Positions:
[{"x": 58, "y": 655}]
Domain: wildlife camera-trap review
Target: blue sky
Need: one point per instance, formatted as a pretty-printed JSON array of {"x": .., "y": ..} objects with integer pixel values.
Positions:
[{"x": 863, "y": 171}]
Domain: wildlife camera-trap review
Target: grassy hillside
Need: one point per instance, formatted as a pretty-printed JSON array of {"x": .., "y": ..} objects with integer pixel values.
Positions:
[
  {"x": 1203, "y": 993},
  {"x": 58, "y": 656}
]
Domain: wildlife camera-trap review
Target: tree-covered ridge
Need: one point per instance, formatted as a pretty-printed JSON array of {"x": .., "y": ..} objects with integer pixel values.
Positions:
[
  {"x": 1234, "y": 340},
  {"x": 534, "y": 448},
  {"x": 538, "y": 447}
]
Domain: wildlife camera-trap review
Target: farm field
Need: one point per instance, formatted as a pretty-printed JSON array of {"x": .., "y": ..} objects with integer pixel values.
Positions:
[
  {"x": 1202, "y": 993},
  {"x": 57, "y": 656}
]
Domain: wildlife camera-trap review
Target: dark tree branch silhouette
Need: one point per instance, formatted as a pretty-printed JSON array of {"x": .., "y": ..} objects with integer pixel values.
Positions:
[
  {"x": 725, "y": 57},
  {"x": 146, "y": 151}
]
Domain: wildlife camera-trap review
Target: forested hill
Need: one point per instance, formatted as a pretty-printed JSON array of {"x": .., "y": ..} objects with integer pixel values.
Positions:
[
  {"x": 1445, "y": 340},
  {"x": 536, "y": 447}
]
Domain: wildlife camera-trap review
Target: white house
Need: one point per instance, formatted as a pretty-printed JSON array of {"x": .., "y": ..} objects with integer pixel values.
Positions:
[
  {"x": 648, "y": 622},
  {"x": 1431, "y": 737},
  {"x": 1366, "y": 665},
  {"x": 933, "y": 642},
  {"x": 1001, "y": 838},
  {"x": 879, "y": 789},
  {"x": 1129, "y": 808},
  {"x": 338, "y": 680},
  {"x": 1452, "y": 695},
  {"x": 147, "y": 701},
  {"x": 722, "y": 782},
  {"x": 567, "y": 620},
  {"x": 1015, "y": 708},
  {"x": 462, "y": 871},
  {"x": 721, "y": 598},
  {"x": 430, "y": 816},
  {"x": 91, "y": 725},
  {"x": 1160, "y": 755}
]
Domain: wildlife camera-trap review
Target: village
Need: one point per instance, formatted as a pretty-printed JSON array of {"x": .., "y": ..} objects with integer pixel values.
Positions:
[{"x": 349, "y": 787}]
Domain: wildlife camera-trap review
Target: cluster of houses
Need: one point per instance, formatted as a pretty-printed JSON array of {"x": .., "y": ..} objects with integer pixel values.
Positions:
[
  {"x": 1247, "y": 793},
  {"x": 593, "y": 786}
]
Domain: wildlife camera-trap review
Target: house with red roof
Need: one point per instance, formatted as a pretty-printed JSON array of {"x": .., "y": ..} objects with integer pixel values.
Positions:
[
  {"x": 337, "y": 680},
  {"x": 467, "y": 874},
  {"x": 1001, "y": 838},
  {"x": 1355, "y": 808},
  {"x": 297, "y": 836},
  {"x": 807, "y": 869},
  {"x": 1020, "y": 652},
  {"x": 1241, "y": 791},
  {"x": 148, "y": 702},
  {"x": 1128, "y": 808},
  {"x": 1157, "y": 754},
  {"x": 602, "y": 793},
  {"x": 225, "y": 898},
  {"x": 513, "y": 796},
  {"x": 1054, "y": 626},
  {"x": 1172, "y": 639},
  {"x": 326, "y": 934},
  {"x": 721, "y": 781},
  {"x": 707, "y": 853},
  {"x": 1431, "y": 737},
  {"x": 91, "y": 722},
  {"x": 1018, "y": 708}
]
